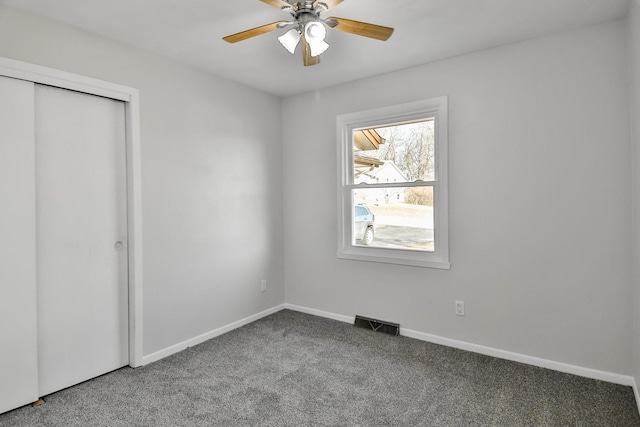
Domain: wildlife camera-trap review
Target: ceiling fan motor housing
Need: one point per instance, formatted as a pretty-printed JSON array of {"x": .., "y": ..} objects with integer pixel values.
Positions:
[{"x": 305, "y": 12}]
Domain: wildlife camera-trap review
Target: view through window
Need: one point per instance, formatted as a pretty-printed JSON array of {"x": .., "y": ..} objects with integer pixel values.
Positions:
[
  {"x": 393, "y": 192},
  {"x": 393, "y": 184}
]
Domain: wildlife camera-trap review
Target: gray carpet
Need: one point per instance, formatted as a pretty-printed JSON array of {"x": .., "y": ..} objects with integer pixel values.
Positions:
[{"x": 292, "y": 369}]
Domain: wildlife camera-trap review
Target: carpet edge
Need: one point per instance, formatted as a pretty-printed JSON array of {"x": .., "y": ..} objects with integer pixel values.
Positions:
[
  {"x": 595, "y": 374},
  {"x": 176, "y": 348}
]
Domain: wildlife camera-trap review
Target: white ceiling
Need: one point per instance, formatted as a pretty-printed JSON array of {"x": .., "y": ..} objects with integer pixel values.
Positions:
[{"x": 191, "y": 31}]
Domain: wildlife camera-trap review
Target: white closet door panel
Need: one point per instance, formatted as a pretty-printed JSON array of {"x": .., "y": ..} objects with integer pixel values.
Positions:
[
  {"x": 81, "y": 218},
  {"x": 18, "y": 339}
]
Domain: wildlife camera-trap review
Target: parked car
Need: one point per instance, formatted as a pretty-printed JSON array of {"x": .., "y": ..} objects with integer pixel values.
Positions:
[{"x": 363, "y": 224}]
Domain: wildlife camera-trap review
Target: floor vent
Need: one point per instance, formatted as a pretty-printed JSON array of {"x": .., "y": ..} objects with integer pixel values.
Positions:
[{"x": 377, "y": 325}]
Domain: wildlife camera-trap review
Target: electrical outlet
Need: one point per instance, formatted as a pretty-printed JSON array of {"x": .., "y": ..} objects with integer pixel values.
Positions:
[
  {"x": 459, "y": 308},
  {"x": 263, "y": 285}
]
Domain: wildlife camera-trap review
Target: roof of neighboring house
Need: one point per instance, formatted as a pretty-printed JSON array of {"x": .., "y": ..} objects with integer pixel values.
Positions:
[
  {"x": 367, "y": 139},
  {"x": 374, "y": 172},
  {"x": 365, "y": 162}
]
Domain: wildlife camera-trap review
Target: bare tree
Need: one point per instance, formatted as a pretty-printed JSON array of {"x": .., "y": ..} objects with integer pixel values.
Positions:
[
  {"x": 388, "y": 150},
  {"x": 414, "y": 149},
  {"x": 423, "y": 148},
  {"x": 411, "y": 147}
]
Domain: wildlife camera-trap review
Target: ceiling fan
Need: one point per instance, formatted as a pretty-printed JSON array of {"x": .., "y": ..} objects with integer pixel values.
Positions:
[{"x": 309, "y": 27}]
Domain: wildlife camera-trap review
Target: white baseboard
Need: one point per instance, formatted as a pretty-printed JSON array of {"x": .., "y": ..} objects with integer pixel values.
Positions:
[
  {"x": 522, "y": 358},
  {"x": 161, "y": 354},
  {"x": 490, "y": 351},
  {"x": 462, "y": 345},
  {"x": 320, "y": 313}
]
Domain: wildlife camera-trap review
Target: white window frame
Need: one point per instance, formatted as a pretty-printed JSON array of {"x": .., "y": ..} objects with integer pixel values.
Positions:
[{"x": 414, "y": 111}]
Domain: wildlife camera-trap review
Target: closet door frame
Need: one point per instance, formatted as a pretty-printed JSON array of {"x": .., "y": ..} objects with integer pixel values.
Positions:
[{"x": 130, "y": 96}]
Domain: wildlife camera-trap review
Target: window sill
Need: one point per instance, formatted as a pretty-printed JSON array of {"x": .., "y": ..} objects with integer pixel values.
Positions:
[{"x": 432, "y": 262}]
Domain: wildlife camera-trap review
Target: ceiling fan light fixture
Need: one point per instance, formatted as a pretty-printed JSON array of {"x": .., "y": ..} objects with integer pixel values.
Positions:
[
  {"x": 314, "y": 30},
  {"x": 290, "y": 40},
  {"x": 314, "y": 33},
  {"x": 310, "y": 27}
]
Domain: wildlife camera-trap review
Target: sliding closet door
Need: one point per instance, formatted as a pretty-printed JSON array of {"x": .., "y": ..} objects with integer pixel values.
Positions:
[
  {"x": 18, "y": 352},
  {"x": 81, "y": 237}
]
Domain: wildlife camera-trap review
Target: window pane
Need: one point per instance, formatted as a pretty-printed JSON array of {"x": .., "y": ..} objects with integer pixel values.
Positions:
[
  {"x": 394, "y": 153},
  {"x": 397, "y": 217}
]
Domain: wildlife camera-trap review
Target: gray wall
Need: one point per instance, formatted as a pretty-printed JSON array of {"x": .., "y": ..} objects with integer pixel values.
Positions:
[
  {"x": 633, "y": 21},
  {"x": 211, "y": 179},
  {"x": 540, "y": 213}
]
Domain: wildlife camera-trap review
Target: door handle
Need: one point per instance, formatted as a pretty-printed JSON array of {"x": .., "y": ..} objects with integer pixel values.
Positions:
[{"x": 118, "y": 245}]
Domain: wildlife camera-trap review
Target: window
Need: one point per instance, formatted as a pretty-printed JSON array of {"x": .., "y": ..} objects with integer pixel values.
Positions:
[{"x": 393, "y": 185}]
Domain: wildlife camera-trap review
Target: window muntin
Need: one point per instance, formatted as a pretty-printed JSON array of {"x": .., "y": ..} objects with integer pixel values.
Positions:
[{"x": 393, "y": 162}]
